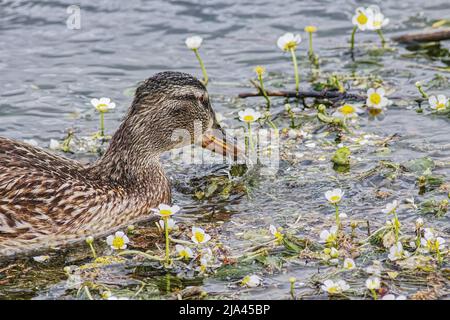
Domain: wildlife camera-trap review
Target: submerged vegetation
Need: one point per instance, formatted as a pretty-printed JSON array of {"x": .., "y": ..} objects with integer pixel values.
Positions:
[{"x": 171, "y": 256}]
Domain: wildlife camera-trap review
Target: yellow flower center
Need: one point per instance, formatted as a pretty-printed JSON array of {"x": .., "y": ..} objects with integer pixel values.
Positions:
[
  {"x": 278, "y": 235},
  {"x": 375, "y": 111},
  {"x": 375, "y": 98},
  {"x": 440, "y": 106},
  {"x": 102, "y": 107},
  {"x": 184, "y": 254},
  {"x": 248, "y": 118},
  {"x": 335, "y": 198},
  {"x": 118, "y": 242},
  {"x": 362, "y": 18},
  {"x": 334, "y": 289},
  {"x": 347, "y": 109},
  {"x": 377, "y": 23},
  {"x": 290, "y": 45},
  {"x": 200, "y": 237},
  {"x": 165, "y": 212},
  {"x": 245, "y": 280},
  {"x": 310, "y": 29},
  {"x": 260, "y": 70}
]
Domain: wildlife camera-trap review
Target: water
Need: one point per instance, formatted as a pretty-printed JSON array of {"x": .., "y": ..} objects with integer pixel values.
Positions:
[{"x": 49, "y": 74}]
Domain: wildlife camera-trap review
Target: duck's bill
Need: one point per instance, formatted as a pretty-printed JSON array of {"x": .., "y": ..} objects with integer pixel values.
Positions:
[{"x": 216, "y": 141}]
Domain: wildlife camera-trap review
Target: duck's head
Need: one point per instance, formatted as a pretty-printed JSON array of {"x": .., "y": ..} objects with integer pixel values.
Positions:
[{"x": 171, "y": 110}]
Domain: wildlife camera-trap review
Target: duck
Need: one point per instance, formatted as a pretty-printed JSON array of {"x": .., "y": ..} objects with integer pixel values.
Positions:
[{"x": 50, "y": 201}]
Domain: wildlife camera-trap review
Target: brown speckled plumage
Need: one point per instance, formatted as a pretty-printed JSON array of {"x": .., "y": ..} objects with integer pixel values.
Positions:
[{"x": 47, "y": 200}]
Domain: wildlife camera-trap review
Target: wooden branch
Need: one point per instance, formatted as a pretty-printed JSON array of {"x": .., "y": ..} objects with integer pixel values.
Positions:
[
  {"x": 443, "y": 34},
  {"x": 305, "y": 94}
]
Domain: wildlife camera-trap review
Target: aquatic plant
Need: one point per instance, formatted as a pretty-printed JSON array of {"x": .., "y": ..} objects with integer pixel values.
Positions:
[
  {"x": 313, "y": 58},
  {"x": 260, "y": 70},
  {"x": 251, "y": 281},
  {"x": 249, "y": 116},
  {"x": 373, "y": 284},
  {"x": 334, "y": 197},
  {"x": 193, "y": 43},
  {"x": 165, "y": 211},
  {"x": 438, "y": 103},
  {"x": 118, "y": 241},
  {"x": 335, "y": 287},
  {"x": 102, "y": 105},
  {"x": 361, "y": 20},
  {"x": 289, "y": 42},
  {"x": 199, "y": 236},
  {"x": 90, "y": 240},
  {"x": 276, "y": 233}
]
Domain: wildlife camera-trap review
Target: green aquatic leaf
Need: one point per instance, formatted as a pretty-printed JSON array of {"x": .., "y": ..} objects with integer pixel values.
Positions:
[
  {"x": 236, "y": 271},
  {"x": 419, "y": 166},
  {"x": 341, "y": 157}
]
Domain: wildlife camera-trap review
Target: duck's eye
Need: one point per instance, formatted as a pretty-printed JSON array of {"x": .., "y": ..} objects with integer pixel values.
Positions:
[{"x": 203, "y": 100}]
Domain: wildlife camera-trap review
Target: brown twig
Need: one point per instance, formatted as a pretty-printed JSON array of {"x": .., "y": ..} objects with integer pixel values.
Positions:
[
  {"x": 443, "y": 34},
  {"x": 302, "y": 94},
  {"x": 306, "y": 94}
]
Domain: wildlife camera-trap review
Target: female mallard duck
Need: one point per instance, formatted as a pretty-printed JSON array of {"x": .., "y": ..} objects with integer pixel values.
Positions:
[{"x": 47, "y": 200}]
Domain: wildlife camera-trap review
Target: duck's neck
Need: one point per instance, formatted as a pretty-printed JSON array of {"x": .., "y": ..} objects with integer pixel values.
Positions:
[{"x": 126, "y": 164}]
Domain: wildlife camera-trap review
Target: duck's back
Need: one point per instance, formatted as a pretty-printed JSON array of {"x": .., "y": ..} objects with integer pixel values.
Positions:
[{"x": 41, "y": 195}]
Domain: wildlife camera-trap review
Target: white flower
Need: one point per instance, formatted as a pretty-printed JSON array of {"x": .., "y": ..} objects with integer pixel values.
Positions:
[
  {"x": 103, "y": 104},
  {"x": 349, "y": 264},
  {"x": 41, "y": 258},
  {"x": 376, "y": 113},
  {"x": 289, "y": 41},
  {"x": 419, "y": 223},
  {"x": 33, "y": 142},
  {"x": 194, "y": 42},
  {"x": 207, "y": 255},
  {"x": 431, "y": 242},
  {"x": 343, "y": 215},
  {"x": 54, "y": 144},
  {"x": 347, "y": 111},
  {"x": 393, "y": 297},
  {"x": 363, "y": 18},
  {"x": 165, "y": 210},
  {"x": 334, "y": 196},
  {"x": 117, "y": 298},
  {"x": 375, "y": 268},
  {"x": 251, "y": 281},
  {"x": 171, "y": 224},
  {"x": 199, "y": 236},
  {"x": 378, "y": 20},
  {"x": 335, "y": 287},
  {"x": 396, "y": 252},
  {"x": 274, "y": 231},
  {"x": 334, "y": 253},
  {"x": 438, "y": 103},
  {"x": 373, "y": 283},
  {"x": 118, "y": 241},
  {"x": 249, "y": 115},
  {"x": 184, "y": 252},
  {"x": 376, "y": 98},
  {"x": 329, "y": 236},
  {"x": 391, "y": 207}
]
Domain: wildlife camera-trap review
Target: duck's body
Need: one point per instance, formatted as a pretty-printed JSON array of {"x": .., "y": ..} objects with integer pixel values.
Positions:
[{"x": 47, "y": 200}]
